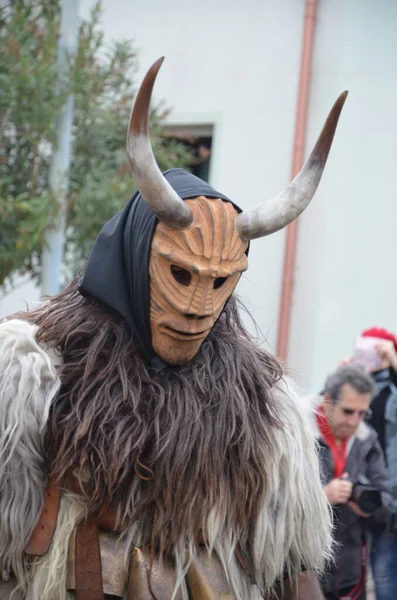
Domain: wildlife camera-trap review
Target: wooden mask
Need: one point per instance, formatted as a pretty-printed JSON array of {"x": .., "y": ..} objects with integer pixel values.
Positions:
[{"x": 193, "y": 272}]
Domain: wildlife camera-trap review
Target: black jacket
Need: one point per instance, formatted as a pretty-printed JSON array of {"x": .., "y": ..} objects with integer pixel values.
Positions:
[{"x": 364, "y": 458}]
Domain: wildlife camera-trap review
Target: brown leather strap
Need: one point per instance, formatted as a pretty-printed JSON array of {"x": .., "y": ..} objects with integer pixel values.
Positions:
[
  {"x": 88, "y": 567},
  {"x": 107, "y": 518},
  {"x": 41, "y": 538}
]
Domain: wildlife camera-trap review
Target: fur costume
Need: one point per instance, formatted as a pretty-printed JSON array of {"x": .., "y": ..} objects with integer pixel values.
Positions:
[
  {"x": 204, "y": 461},
  {"x": 274, "y": 459}
]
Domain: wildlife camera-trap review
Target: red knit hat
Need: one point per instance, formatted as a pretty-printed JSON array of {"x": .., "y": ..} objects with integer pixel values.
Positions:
[{"x": 378, "y": 332}]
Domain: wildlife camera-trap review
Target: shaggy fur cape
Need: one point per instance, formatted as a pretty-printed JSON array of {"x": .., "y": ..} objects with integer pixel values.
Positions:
[{"x": 217, "y": 450}]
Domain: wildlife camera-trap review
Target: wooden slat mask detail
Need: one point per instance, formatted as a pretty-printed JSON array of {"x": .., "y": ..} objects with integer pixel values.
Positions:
[{"x": 192, "y": 274}]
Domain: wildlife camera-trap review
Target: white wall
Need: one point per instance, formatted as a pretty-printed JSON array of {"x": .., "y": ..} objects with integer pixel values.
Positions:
[
  {"x": 345, "y": 278},
  {"x": 236, "y": 62}
]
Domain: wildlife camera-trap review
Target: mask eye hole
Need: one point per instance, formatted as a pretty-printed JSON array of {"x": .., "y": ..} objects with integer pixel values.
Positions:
[
  {"x": 218, "y": 282},
  {"x": 182, "y": 276}
]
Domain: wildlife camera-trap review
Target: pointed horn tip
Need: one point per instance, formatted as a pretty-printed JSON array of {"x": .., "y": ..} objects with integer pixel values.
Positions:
[
  {"x": 156, "y": 66},
  {"x": 342, "y": 98},
  {"x": 248, "y": 230},
  {"x": 143, "y": 97}
]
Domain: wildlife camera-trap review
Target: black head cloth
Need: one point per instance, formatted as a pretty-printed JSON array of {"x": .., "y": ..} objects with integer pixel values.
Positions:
[{"x": 117, "y": 272}]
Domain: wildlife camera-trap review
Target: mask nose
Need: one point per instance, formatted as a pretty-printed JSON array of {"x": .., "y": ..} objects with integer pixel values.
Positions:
[
  {"x": 202, "y": 302},
  {"x": 194, "y": 316}
]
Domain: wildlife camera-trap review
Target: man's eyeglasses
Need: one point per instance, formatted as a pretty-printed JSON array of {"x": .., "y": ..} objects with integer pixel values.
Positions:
[{"x": 363, "y": 414}]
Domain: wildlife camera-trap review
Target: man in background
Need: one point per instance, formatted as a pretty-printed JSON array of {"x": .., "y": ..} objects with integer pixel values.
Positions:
[
  {"x": 352, "y": 463},
  {"x": 384, "y": 421}
]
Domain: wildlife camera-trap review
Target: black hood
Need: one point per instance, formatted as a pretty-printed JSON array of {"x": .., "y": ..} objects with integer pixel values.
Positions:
[{"x": 117, "y": 272}]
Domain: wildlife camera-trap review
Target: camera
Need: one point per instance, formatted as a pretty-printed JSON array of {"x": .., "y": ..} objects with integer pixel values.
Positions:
[{"x": 367, "y": 496}]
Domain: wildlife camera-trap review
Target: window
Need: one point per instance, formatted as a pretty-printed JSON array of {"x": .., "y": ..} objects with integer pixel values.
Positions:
[{"x": 198, "y": 138}]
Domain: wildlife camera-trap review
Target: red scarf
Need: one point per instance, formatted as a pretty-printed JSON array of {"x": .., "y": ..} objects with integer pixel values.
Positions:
[{"x": 338, "y": 450}]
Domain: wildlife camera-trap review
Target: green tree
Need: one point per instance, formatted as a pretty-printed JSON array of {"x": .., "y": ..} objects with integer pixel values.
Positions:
[{"x": 102, "y": 80}]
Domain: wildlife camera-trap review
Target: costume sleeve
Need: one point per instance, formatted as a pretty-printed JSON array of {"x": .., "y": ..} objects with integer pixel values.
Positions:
[
  {"x": 28, "y": 384},
  {"x": 377, "y": 474}
]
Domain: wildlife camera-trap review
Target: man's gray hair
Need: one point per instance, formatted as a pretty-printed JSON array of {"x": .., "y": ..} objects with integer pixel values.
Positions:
[{"x": 353, "y": 375}]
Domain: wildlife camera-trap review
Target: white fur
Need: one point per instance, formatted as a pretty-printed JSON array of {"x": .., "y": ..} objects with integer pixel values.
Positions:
[
  {"x": 294, "y": 527},
  {"x": 295, "y": 524},
  {"x": 28, "y": 384},
  {"x": 48, "y": 574}
]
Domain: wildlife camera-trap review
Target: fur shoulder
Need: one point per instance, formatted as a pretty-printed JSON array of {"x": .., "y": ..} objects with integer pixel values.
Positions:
[
  {"x": 28, "y": 384},
  {"x": 299, "y": 532}
]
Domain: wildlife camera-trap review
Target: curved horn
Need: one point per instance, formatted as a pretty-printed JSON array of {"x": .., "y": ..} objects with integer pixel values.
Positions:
[
  {"x": 155, "y": 189},
  {"x": 281, "y": 210}
]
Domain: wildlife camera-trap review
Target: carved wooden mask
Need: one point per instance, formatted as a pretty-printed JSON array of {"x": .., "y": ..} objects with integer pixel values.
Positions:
[{"x": 193, "y": 272}]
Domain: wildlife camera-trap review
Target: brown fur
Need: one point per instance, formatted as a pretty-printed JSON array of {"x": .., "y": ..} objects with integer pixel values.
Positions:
[{"x": 196, "y": 436}]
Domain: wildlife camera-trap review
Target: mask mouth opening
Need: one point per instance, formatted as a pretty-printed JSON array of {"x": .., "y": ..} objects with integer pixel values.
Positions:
[{"x": 184, "y": 335}]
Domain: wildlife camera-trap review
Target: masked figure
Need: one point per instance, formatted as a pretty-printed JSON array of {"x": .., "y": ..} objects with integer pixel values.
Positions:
[{"x": 149, "y": 448}]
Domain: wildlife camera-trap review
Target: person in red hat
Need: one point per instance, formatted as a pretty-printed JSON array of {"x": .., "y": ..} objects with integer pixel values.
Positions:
[{"x": 384, "y": 421}]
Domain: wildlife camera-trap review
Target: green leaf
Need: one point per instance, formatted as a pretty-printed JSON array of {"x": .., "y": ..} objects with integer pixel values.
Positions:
[{"x": 102, "y": 79}]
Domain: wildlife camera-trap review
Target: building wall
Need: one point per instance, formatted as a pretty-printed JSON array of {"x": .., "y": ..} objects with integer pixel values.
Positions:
[
  {"x": 347, "y": 239},
  {"x": 236, "y": 65}
]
